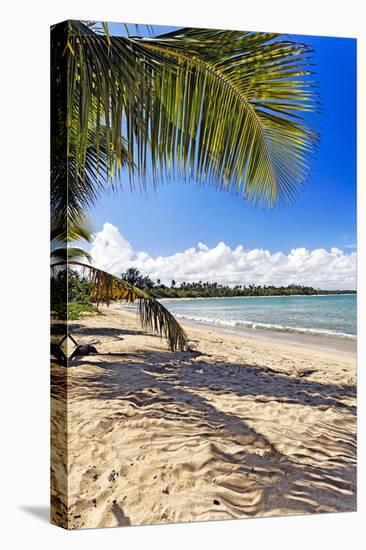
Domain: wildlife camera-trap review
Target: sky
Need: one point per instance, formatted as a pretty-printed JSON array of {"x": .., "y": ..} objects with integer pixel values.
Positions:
[{"x": 311, "y": 241}]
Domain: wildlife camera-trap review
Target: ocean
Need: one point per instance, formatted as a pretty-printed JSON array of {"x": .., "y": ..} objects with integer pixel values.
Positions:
[{"x": 331, "y": 315}]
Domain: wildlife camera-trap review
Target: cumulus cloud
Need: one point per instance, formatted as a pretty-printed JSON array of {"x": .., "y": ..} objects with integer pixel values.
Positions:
[{"x": 320, "y": 268}]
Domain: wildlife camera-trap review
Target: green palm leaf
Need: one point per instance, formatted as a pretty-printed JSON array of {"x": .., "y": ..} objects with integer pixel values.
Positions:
[
  {"x": 224, "y": 107},
  {"x": 69, "y": 253},
  {"x": 231, "y": 110},
  {"x": 65, "y": 230},
  {"x": 76, "y": 228}
]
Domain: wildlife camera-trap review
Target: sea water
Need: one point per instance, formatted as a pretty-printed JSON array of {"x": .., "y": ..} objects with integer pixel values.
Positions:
[{"x": 333, "y": 315}]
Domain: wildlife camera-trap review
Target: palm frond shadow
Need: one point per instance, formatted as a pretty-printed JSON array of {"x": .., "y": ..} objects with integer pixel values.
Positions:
[
  {"x": 78, "y": 329},
  {"x": 192, "y": 374}
]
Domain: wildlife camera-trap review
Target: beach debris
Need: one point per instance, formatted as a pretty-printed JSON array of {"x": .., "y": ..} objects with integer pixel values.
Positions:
[
  {"x": 306, "y": 372},
  {"x": 216, "y": 502},
  {"x": 113, "y": 475},
  {"x": 81, "y": 350}
]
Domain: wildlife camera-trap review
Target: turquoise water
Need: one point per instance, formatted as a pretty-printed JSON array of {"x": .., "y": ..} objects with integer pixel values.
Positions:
[{"x": 328, "y": 315}]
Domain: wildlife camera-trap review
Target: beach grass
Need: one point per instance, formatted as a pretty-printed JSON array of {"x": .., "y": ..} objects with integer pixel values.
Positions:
[{"x": 74, "y": 310}]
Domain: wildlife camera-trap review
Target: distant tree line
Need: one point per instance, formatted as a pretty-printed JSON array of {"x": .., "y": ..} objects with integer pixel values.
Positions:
[
  {"x": 214, "y": 290},
  {"x": 79, "y": 289}
]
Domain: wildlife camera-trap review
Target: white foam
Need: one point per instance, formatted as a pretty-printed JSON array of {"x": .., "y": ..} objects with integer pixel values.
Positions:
[{"x": 265, "y": 326}]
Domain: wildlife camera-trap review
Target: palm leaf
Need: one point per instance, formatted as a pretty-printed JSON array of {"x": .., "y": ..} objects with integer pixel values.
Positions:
[
  {"x": 74, "y": 228},
  {"x": 65, "y": 230},
  {"x": 232, "y": 113},
  {"x": 153, "y": 315},
  {"x": 69, "y": 253},
  {"x": 224, "y": 107}
]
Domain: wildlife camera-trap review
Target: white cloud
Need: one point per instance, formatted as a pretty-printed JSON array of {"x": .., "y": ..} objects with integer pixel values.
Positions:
[{"x": 320, "y": 268}]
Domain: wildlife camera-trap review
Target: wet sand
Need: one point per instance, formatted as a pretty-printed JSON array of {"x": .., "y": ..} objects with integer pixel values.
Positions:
[
  {"x": 343, "y": 345},
  {"x": 242, "y": 427}
]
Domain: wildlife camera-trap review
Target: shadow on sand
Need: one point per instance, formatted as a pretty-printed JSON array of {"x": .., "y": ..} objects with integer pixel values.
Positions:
[{"x": 185, "y": 386}]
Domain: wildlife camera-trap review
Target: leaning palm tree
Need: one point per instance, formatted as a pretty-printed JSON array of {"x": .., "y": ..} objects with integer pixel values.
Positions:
[
  {"x": 225, "y": 108},
  {"x": 105, "y": 287}
]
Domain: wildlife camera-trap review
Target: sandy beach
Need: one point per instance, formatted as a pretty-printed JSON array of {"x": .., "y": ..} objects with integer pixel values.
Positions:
[{"x": 241, "y": 427}]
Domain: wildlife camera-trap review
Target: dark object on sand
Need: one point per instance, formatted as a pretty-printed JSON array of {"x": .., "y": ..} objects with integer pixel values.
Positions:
[
  {"x": 58, "y": 353},
  {"x": 81, "y": 350}
]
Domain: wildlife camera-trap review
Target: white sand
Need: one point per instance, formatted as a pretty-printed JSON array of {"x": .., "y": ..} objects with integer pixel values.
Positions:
[{"x": 240, "y": 428}]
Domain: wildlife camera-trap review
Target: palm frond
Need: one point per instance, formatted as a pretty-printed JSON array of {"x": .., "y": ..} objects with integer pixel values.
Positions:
[
  {"x": 233, "y": 111},
  {"x": 224, "y": 107},
  {"x": 76, "y": 185},
  {"x": 65, "y": 230},
  {"x": 69, "y": 253},
  {"x": 74, "y": 228},
  {"x": 153, "y": 315}
]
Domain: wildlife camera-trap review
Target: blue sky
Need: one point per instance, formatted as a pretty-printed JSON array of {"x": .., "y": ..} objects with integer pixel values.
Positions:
[{"x": 178, "y": 216}]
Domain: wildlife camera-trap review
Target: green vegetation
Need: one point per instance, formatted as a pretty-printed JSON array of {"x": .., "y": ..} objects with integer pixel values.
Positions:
[
  {"x": 74, "y": 310},
  {"x": 77, "y": 304},
  {"x": 134, "y": 277},
  {"x": 78, "y": 287},
  {"x": 215, "y": 290}
]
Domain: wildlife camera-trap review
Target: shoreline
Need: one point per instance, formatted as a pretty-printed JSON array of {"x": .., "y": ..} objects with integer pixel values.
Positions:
[{"x": 321, "y": 342}]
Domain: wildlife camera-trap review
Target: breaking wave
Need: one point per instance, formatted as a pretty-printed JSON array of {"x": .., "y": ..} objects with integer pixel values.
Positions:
[{"x": 265, "y": 326}]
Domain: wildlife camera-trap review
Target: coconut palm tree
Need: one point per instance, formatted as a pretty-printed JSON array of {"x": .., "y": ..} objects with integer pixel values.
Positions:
[{"x": 225, "y": 108}]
